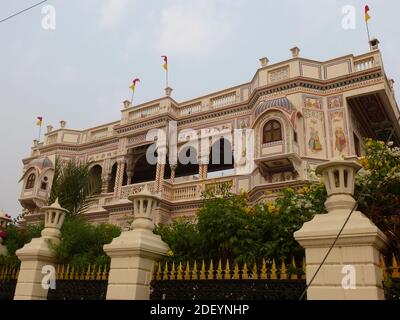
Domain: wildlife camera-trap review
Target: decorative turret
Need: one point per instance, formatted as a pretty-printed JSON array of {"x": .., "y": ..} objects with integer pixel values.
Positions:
[
  {"x": 339, "y": 176},
  {"x": 54, "y": 216},
  {"x": 144, "y": 204}
]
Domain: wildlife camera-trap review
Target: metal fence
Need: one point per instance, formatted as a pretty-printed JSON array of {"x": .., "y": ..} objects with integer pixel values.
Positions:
[{"x": 191, "y": 281}]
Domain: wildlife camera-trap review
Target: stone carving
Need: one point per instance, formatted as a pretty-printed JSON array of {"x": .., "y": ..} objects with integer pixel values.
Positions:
[{"x": 279, "y": 74}]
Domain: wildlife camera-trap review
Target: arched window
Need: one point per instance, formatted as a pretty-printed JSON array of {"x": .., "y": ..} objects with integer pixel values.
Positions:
[
  {"x": 43, "y": 185},
  {"x": 272, "y": 131},
  {"x": 95, "y": 174},
  {"x": 30, "y": 182}
]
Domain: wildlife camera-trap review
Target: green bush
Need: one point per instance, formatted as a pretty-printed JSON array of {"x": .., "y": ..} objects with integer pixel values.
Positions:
[
  {"x": 228, "y": 228},
  {"x": 82, "y": 243}
]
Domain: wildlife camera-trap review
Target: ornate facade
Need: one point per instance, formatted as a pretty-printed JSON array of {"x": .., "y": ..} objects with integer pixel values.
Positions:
[{"x": 302, "y": 112}]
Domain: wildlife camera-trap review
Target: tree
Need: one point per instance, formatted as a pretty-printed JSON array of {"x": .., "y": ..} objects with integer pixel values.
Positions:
[
  {"x": 74, "y": 186},
  {"x": 229, "y": 228},
  {"x": 82, "y": 243},
  {"x": 378, "y": 188}
]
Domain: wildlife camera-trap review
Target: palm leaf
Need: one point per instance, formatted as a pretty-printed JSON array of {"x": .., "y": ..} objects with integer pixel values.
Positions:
[{"x": 74, "y": 186}]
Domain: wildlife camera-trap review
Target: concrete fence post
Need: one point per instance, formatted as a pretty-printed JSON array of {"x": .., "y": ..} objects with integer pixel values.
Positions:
[
  {"x": 352, "y": 270},
  {"x": 37, "y": 254},
  {"x": 135, "y": 252}
]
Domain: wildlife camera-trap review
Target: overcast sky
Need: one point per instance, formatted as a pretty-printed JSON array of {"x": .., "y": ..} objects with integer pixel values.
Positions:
[{"x": 81, "y": 71}]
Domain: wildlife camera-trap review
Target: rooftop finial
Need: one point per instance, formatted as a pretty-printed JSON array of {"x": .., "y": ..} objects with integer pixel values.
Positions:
[
  {"x": 264, "y": 62},
  {"x": 374, "y": 43},
  {"x": 295, "y": 52},
  {"x": 168, "y": 91}
]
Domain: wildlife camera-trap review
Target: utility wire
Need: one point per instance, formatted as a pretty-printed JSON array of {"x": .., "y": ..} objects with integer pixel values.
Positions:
[
  {"x": 22, "y": 11},
  {"x": 344, "y": 225}
]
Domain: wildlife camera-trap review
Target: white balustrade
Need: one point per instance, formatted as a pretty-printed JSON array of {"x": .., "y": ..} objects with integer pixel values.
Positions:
[
  {"x": 364, "y": 64},
  {"x": 190, "y": 109},
  {"x": 224, "y": 100}
]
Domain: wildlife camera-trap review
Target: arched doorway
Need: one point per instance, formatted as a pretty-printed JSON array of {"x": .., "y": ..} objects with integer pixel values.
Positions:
[
  {"x": 95, "y": 174},
  {"x": 144, "y": 171},
  {"x": 221, "y": 157},
  {"x": 188, "y": 163},
  {"x": 111, "y": 183}
]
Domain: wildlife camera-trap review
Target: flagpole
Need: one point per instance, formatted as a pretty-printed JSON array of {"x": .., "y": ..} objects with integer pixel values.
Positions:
[
  {"x": 166, "y": 76},
  {"x": 40, "y": 129},
  {"x": 369, "y": 36},
  {"x": 133, "y": 93}
]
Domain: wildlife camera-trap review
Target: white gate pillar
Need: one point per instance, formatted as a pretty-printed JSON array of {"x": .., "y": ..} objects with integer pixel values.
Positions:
[
  {"x": 135, "y": 252},
  {"x": 357, "y": 249}
]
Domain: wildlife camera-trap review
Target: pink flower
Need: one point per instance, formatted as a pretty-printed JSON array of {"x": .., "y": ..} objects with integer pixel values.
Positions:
[{"x": 3, "y": 234}]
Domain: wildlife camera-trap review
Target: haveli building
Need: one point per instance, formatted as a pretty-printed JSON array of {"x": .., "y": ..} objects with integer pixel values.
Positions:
[{"x": 303, "y": 112}]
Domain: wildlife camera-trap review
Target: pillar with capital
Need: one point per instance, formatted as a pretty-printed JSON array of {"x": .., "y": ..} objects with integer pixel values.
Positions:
[
  {"x": 357, "y": 250},
  {"x": 37, "y": 254}
]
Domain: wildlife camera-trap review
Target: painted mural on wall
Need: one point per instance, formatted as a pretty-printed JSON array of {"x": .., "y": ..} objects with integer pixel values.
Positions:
[
  {"x": 335, "y": 102},
  {"x": 312, "y": 103},
  {"x": 315, "y": 140},
  {"x": 337, "y": 126},
  {"x": 315, "y": 133}
]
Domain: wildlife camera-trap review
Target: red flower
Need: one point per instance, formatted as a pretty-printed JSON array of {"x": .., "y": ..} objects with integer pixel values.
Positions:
[{"x": 3, "y": 234}]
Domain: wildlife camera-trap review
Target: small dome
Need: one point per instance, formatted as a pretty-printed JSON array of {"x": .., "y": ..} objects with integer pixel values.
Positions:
[
  {"x": 41, "y": 164},
  {"x": 282, "y": 103}
]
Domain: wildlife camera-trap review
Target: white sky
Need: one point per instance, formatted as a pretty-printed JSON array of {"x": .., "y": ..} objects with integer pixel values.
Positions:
[{"x": 81, "y": 71}]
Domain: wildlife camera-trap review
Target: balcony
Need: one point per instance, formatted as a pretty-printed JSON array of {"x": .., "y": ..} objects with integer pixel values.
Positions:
[{"x": 182, "y": 191}]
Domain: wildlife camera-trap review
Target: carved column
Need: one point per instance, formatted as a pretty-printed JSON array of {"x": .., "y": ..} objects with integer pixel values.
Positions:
[
  {"x": 160, "y": 168},
  {"x": 130, "y": 169},
  {"x": 119, "y": 177},
  {"x": 159, "y": 177},
  {"x": 205, "y": 171},
  {"x": 357, "y": 251},
  {"x": 173, "y": 171}
]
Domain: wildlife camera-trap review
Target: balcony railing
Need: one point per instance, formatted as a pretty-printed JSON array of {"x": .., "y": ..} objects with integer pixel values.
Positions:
[
  {"x": 364, "y": 64},
  {"x": 224, "y": 100},
  {"x": 191, "y": 190},
  {"x": 190, "y": 109}
]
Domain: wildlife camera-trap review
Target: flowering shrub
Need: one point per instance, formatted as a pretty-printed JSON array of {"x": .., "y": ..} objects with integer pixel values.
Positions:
[
  {"x": 378, "y": 188},
  {"x": 15, "y": 239},
  {"x": 229, "y": 228}
]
